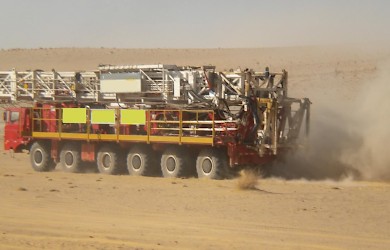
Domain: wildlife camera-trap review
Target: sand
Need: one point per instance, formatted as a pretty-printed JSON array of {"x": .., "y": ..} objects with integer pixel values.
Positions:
[{"x": 303, "y": 206}]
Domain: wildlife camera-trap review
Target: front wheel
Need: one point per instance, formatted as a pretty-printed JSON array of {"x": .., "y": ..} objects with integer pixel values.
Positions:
[{"x": 40, "y": 158}]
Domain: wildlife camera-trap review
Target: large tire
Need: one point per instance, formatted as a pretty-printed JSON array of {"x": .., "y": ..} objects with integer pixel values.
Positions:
[
  {"x": 40, "y": 158},
  {"x": 175, "y": 162},
  {"x": 110, "y": 160},
  {"x": 140, "y": 161},
  {"x": 70, "y": 158},
  {"x": 211, "y": 163}
]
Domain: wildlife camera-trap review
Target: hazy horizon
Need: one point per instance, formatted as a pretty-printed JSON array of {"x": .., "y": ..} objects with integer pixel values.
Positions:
[{"x": 200, "y": 24}]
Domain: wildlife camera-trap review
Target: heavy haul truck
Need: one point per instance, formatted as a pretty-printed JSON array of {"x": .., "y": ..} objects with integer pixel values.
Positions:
[{"x": 149, "y": 119}]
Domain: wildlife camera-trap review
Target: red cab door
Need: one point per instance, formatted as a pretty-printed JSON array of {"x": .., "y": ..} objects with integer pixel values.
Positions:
[{"x": 16, "y": 128}]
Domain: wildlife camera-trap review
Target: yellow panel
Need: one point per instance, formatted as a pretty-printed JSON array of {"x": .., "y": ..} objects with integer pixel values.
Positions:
[
  {"x": 74, "y": 115},
  {"x": 133, "y": 116},
  {"x": 103, "y": 116}
]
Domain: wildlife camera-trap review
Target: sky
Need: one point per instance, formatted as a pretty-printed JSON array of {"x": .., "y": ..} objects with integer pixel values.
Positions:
[{"x": 192, "y": 23}]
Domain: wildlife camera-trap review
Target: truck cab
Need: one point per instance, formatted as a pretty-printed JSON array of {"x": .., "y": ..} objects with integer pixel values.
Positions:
[{"x": 17, "y": 128}]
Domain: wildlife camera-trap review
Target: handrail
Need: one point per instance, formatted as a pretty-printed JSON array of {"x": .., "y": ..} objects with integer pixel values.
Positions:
[{"x": 170, "y": 124}]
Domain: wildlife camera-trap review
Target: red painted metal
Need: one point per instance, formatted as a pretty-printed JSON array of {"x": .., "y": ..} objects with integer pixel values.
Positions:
[
  {"x": 18, "y": 133},
  {"x": 240, "y": 155},
  {"x": 88, "y": 152},
  {"x": 55, "y": 154},
  {"x": 17, "y": 128}
]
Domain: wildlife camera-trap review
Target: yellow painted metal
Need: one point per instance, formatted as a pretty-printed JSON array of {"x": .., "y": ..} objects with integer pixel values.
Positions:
[
  {"x": 110, "y": 137},
  {"x": 102, "y": 116},
  {"x": 133, "y": 117},
  {"x": 158, "y": 138},
  {"x": 143, "y": 138},
  {"x": 82, "y": 136},
  {"x": 197, "y": 140},
  {"x": 53, "y": 135},
  {"x": 264, "y": 100},
  {"x": 74, "y": 115},
  {"x": 180, "y": 126},
  {"x": 149, "y": 127},
  {"x": 268, "y": 101},
  {"x": 103, "y": 137}
]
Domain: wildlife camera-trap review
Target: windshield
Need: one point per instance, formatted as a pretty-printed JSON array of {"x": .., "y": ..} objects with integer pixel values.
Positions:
[{"x": 14, "y": 116}]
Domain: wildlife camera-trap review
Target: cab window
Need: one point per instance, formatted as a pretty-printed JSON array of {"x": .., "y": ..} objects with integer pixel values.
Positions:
[{"x": 14, "y": 116}]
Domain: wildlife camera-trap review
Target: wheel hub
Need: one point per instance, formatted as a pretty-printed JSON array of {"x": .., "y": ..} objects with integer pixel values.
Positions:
[
  {"x": 106, "y": 161},
  {"x": 69, "y": 159},
  {"x": 38, "y": 157},
  {"x": 207, "y": 165},
  {"x": 136, "y": 162},
  {"x": 171, "y": 163}
]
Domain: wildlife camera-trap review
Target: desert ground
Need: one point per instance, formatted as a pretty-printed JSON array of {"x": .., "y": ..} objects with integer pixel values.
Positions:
[{"x": 332, "y": 194}]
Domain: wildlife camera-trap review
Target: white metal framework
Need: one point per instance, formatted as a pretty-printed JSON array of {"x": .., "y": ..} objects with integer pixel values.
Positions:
[
  {"x": 138, "y": 83},
  {"x": 52, "y": 85}
]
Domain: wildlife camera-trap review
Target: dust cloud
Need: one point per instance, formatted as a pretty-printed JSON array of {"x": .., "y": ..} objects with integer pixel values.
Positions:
[
  {"x": 349, "y": 134},
  {"x": 371, "y": 123},
  {"x": 248, "y": 179}
]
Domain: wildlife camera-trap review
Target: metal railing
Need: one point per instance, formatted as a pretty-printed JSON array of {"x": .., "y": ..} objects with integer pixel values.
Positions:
[{"x": 176, "y": 126}]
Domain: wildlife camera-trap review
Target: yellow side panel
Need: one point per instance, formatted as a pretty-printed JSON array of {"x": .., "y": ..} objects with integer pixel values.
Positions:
[
  {"x": 74, "y": 115},
  {"x": 133, "y": 116},
  {"x": 103, "y": 116}
]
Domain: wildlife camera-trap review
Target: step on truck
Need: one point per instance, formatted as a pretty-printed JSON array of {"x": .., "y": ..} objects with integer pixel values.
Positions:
[{"x": 152, "y": 119}]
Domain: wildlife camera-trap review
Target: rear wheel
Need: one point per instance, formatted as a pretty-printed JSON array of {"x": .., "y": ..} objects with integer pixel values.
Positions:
[
  {"x": 139, "y": 161},
  {"x": 211, "y": 163},
  {"x": 109, "y": 160},
  {"x": 175, "y": 162},
  {"x": 41, "y": 160},
  {"x": 70, "y": 158}
]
